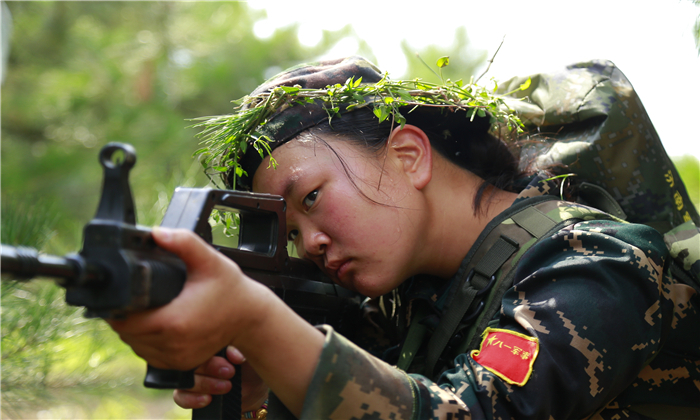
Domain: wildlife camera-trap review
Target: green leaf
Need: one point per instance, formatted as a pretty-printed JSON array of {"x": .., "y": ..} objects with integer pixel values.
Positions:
[
  {"x": 526, "y": 85},
  {"x": 400, "y": 119},
  {"x": 381, "y": 112},
  {"x": 357, "y": 82},
  {"x": 443, "y": 61},
  {"x": 290, "y": 89},
  {"x": 403, "y": 94},
  {"x": 359, "y": 98},
  {"x": 220, "y": 168}
]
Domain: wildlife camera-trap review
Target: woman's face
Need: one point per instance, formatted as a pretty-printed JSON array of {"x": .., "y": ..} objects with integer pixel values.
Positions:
[{"x": 369, "y": 247}]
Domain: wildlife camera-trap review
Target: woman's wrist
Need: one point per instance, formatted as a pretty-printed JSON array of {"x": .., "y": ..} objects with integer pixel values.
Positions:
[
  {"x": 260, "y": 413},
  {"x": 283, "y": 349},
  {"x": 248, "y": 332}
]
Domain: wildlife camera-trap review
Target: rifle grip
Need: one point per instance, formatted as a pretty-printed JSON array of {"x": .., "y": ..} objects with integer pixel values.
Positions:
[
  {"x": 168, "y": 379},
  {"x": 223, "y": 407}
]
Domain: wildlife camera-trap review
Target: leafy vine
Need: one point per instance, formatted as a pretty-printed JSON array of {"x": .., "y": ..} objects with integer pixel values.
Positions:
[{"x": 227, "y": 137}]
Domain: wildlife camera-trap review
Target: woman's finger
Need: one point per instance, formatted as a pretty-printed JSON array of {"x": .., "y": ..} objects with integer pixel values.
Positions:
[
  {"x": 190, "y": 400},
  {"x": 234, "y": 355},
  {"x": 208, "y": 385},
  {"x": 217, "y": 367},
  {"x": 192, "y": 250}
]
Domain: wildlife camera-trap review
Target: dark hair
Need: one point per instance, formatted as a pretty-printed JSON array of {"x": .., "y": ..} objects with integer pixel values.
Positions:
[{"x": 468, "y": 144}]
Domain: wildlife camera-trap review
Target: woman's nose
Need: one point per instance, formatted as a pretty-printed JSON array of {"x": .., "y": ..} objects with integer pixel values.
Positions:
[{"x": 314, "y": 244}]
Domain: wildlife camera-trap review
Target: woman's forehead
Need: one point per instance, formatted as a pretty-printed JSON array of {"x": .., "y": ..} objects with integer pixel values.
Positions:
[
  {"x": 300, "y": 156},
  {"x": 292, "y": 159}
]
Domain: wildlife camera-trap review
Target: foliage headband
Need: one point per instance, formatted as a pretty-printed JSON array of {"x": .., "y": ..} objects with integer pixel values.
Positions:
[{"x": 306, "y": 95}]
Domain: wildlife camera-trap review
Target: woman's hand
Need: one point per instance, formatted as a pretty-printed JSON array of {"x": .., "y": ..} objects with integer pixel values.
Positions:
[
  {"x": 213, "y": 378},
  {"x": 220, "y": 306},
  {"x": 216, "y": 303}
]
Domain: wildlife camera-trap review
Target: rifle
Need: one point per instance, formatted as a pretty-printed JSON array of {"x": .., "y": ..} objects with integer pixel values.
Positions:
[{"x": 121, "y": 270}]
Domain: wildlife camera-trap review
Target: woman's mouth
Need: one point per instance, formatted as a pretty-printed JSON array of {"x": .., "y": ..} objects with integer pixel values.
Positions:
[
  {"x": 342, "y": 270},
  {"x": 338, "y": 270}
]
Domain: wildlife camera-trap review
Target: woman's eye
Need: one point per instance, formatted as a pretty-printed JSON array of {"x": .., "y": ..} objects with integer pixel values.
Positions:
[
  {"x": 293, "y": 235},
  {"x": 310, "y": 199}
]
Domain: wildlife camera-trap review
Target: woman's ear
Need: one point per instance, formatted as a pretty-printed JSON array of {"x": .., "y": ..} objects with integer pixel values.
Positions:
[{"x": 410, "y": 146}]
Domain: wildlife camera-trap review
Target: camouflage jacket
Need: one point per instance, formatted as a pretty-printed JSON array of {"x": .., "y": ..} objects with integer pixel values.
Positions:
[{"x": 594, "y": 326}]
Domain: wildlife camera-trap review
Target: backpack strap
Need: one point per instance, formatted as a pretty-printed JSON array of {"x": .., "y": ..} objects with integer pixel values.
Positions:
[
  {"x": 478, "y": 279},
  {"x": 539, "y": 225},
  {"x": 470, "y": 295},
  {"x": 489, "y": 271}
]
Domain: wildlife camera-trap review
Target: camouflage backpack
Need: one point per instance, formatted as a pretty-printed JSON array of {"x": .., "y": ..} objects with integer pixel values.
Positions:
[
  {"x": 589, "y": 118},
  {"x": 601, "y": 131}
]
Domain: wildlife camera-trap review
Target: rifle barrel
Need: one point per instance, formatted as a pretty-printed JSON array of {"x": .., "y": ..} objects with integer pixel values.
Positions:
[{"x": 26, "y": 263}]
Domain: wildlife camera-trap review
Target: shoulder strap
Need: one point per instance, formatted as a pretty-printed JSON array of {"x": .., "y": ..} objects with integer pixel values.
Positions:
[
  {"x": 491, "y": 260},
  {"x": 470, "y": 295}
]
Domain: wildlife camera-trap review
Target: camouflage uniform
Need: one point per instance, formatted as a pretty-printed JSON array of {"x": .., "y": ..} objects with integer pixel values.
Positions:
[
  {"x": 614, "y": 329},
  {"x": 613, "y": 334}
]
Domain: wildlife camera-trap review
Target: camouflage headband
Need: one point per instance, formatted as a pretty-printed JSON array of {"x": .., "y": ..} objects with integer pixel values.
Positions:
[{"x": 306, "y": 95}]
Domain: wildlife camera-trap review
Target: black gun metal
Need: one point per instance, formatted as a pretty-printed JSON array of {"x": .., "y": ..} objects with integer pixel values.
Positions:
[{"x": 120, "y": 269}]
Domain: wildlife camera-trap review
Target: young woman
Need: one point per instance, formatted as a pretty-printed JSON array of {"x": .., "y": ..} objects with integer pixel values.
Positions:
[{"x": 589, "y": 323}]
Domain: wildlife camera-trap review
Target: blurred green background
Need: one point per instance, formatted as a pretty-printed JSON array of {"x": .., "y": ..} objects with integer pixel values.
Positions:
[{"x": 82, "y": 74}]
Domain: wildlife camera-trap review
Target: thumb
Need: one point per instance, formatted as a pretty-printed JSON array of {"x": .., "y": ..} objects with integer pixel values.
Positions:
[{"x": 234, "y": 355}]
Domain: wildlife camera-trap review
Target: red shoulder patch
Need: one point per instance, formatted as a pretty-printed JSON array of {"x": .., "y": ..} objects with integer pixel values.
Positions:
[{"x": 507, "y": 354}]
